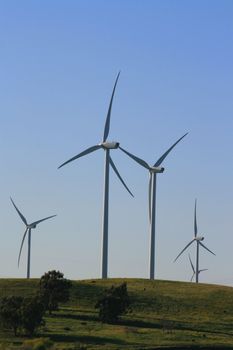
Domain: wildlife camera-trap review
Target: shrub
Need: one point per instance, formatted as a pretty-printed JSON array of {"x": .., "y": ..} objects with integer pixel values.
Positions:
[
  {"x": 32, "y": 312},
  {"x": 54, "y": 288},
  {"x": 21, "y": 313},
  {"x": 114, "y": 303},
  {"x": 10, "y": 315}
]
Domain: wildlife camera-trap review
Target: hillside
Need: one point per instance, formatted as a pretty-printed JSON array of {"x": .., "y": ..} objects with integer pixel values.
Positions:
[{"x": 164, "y": 314}]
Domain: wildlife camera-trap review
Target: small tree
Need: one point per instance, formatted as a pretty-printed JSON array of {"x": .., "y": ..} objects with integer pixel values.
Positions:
[
  {"x": 114, "y": 303},
  {"x": 21, "y": 313},
  {"x": 10, "y": 314},
  {"x": 54, "y": 288},
  {"x": 32, "y": 312}
]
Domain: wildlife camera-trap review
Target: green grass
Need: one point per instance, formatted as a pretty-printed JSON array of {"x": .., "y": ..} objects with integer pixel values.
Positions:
[{"x": 164, "y": 314}]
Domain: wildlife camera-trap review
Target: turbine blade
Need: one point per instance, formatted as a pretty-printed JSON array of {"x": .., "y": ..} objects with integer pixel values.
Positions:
[
  {"x": 191, "y": 264},
  {"x": 149, "y": 196},
  {"x": 192, "y": 277},
  {"x": 119, "y": 176},
  {"x": 206, "y": 248},
  {"x": 107, "y": 123},
  {"x": 24, "y": 235},
  {"x": 203, "y": 270},
  {"x": 20, "y": 214},
  {"x": 37, "y": 222},
  {"x": 195, "y": 219},
  {"x": 87, "y": 151},
  {"x": 161, "y": 159},
  {"x": 138, "y": 160},
  {"x": 184, "y": 249}
]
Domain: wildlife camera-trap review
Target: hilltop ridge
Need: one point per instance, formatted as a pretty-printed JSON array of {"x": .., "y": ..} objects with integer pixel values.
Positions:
[{"x": 163, "y": 314}]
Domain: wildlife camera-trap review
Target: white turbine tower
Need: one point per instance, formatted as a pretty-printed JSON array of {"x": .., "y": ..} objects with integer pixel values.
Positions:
[
  {"x": 197, "y": 239},
  {"x": 106, "y": 146},
  {"x": 153, "y": 171},
  {"x": 29, "y": 227},
  {"x": 194, "y": 272}
]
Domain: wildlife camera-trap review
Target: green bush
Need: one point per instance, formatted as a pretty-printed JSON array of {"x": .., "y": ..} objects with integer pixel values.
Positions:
[
  {"x": 114, "y": 303},
  {"x": 18, "y": 313},
  {"x": 32, "y": 312},
  {"x": 10, "y": 313},
  {"x": 54, "y": 288}
]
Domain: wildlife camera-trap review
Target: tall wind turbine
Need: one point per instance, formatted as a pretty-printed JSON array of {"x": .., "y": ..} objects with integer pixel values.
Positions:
[
  {"x": 106, "y": 146},
  {"x": 194, "y": 272},
  {"x": 153, "y": 171},
  {"x": 198, "y": 240},
  {"x": 29, "y": 227}
]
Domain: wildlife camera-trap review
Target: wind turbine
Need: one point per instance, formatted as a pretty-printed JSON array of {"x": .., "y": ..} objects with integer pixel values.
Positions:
[
  {"x": 29, "y": 227},
  {"x": 106, "y": 146},
  {"x": 197, "y": 239},
  {"x": 194, "y": 272},
  {"x": 153, "y": 171}
]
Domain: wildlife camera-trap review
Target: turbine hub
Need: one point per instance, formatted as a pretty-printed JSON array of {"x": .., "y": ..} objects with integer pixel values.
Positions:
[
  {"x": 110, "y": 145},
  {"x": 156, "y": 169},
  {"x": 200, "y": 238}
]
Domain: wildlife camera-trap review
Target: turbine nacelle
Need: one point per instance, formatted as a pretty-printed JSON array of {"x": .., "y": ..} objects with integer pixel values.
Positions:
[
  {"x": 200, "y": 238},
  {"x": 32, "y": 226},
  {"x": 110, "y": 145},
  {"x": 156, "y": 169}
]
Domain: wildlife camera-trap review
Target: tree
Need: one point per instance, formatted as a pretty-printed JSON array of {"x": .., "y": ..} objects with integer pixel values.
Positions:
[
  {"x": 21, "y": 313},
  {"x": 32, "y": 312},
  {"x": 10, "y": 314},
  {"x": 114, "y": 303},
  {"x": 54, "y": 288}
]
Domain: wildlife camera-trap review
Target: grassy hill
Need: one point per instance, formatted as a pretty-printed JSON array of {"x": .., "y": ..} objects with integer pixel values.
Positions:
[{"x": 164, "y": 314}]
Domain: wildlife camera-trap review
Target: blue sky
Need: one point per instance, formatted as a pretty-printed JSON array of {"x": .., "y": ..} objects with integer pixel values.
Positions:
[{"x": 59, "y": 60}]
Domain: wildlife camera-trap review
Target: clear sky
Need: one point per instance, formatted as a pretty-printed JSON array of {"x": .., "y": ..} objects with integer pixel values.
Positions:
[{"x": 58, "y": 63}]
